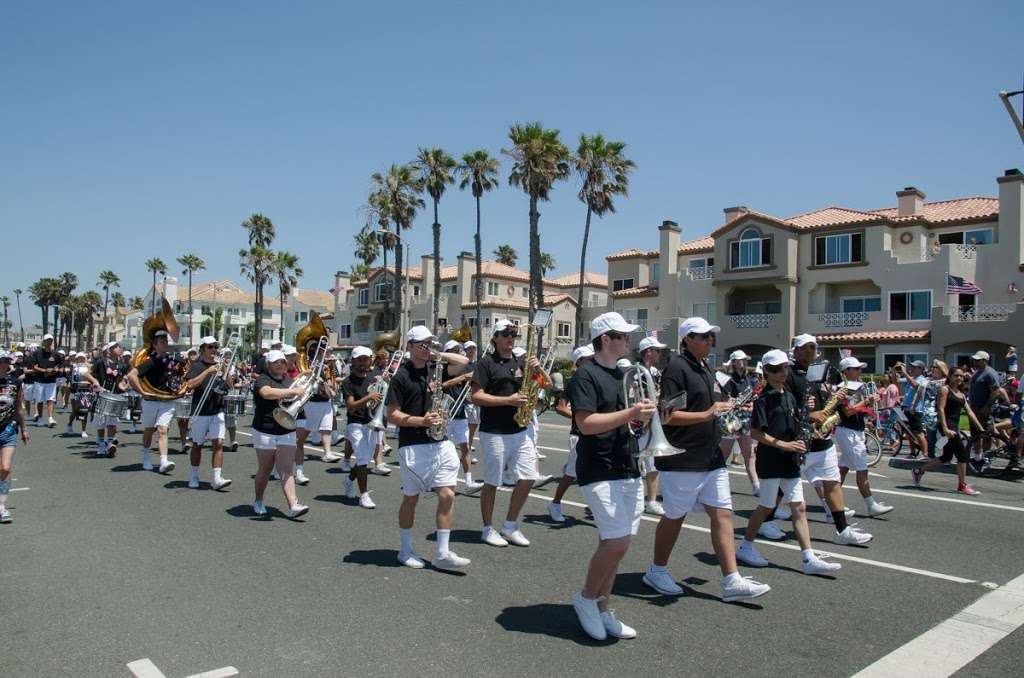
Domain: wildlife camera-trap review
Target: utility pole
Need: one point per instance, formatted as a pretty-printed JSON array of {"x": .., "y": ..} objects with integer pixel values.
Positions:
[{"x": 1005, "y": 96}]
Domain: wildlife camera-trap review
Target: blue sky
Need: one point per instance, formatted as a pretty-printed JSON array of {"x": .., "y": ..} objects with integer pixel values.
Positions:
[{"x": 132, "y": 130}]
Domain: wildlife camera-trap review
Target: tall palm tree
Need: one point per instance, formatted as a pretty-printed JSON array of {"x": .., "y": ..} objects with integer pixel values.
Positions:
[
  {"x": 378, "y": 209},
  {"x": 120, "y": 303},
  {"x": 91, "y": 303},
  {"x": 479, "y": 171},
  {"x": 108, "y": 280},
  {"x": 286, "y": 268},
  {"x": 547, "y": 263},
  {"x": 192, "y": 263},
  {"x": 401, "y": 186},
  {"x": 506, "y": 254},
  {"x": 435, "y": 169},
  {"x": 6, "y": 301},
  {"x": 68, "y": 283},
  {"x": 155, "y": 266},
  {"x": 21, "y": 326},
  {"x": 605, "y": 174},
  {"x": 136, "y": 303},
  {"x": 45, "y": 292},
  {"x": 539, "y": 159},
  {"x": 261, "y": 233}
]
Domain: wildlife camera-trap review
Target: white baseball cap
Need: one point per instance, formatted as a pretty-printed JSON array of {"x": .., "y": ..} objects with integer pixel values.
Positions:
[
  {"x": 518, "y": 351},
  {"x": 847, "y": 363},
  {"x": 451, "y": 344},
  {"x": 623, "y": 363},
  {"x": 277, "y": 345},
  {"x": 288, "y": 350},
  {"x": 775, "y": 357},
  {"x": 207, "y": 340},
  {"x": 20, "y": 344},
  {"x": 981, "y": 355},
  {"x": 160, "y": 333},
  {"x": 610, "y": 322},
  {"x": 697, "y": 326},
  {"x": 581, "y": 352},
  {"x": 469, "y": 344},
  {"x": 361, "y": 352},
  {"x": 109, "y": 345},
  {"x": 4, "y": 355},
  {"x": 47, "y": 337},
  {"x": 60, "y": 351},
  {"x": 273, "y": 356},
  {"x": 738, "y": 355},
  {"x": 650, "y": 342},
  {"x": 801, "y": 339},
  {"x": 501, "y": 325},
  {"x": 418, "y": 333}
]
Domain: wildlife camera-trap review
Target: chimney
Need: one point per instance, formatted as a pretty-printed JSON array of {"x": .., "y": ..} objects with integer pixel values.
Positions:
[
  {"x": 668, "y": 249},
  {"x": 734, "y": 212},
  {"x": 910, "y": 202},
  {"x": 467, "y": 267},
  {"x": 1011, "y": 213}
]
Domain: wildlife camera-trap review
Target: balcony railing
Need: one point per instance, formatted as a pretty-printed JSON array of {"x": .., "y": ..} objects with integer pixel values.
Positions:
[
  {"x": 701, "y": 273},
  {"x": 966, "y": 251},
  {"x": 983, "y": 313},
  {"x": 753, "y": 320},
  {"x": 852, "y": 319}
]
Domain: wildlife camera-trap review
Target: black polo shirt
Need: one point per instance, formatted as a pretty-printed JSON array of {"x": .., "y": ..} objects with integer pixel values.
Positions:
[
  {"x": 500, "y": 377},
  {"x": 797, "y": 384},
  {"x": 411, "y": 389},
  {"x": 108, "y": 372},
  {"x": 854, "y": 422},
  {"x": 685, "y": 373},
  {"x": 215, "y": 401},
  {"x": 263, "y": 408},
  {"x": 45, "y": 360},
  {"x": 777, "y": 414},
  {"x": 156, "y": 370},
  {"x": 611, "y": 455},
  {"x": 356, "y": 388}
]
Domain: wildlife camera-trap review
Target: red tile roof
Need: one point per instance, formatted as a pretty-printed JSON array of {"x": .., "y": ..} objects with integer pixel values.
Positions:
[
  {"x": 549, "y": 301},
  {"x": 705, "y": 244},
  {"x": 960, "y": 209},
  {"x": 880, "y": 335},
  {"x": 646, "y": 291},
  {"x": 632, "y": 253}
]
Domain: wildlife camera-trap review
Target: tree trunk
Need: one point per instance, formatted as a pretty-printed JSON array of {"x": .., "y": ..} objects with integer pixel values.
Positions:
[
  {"x": 583, "y": 268},
  {"x": 280, "y": 332},
  {"x": 191, "y": 339},
  {"x": 399, "y": 254},
  {"x": 106, "y": 300},
  {"x": 535, "y": 274},
  {"x": 437, "y": 269},
  {"x": 387, "y": 297},
  {"x": 478, "y": 283},
  {"x": 152, "y": 306},
  {"x": 46, "y": 317},
  {"x": 257, "y": 337},
  {"x": 21, "y": 324}
]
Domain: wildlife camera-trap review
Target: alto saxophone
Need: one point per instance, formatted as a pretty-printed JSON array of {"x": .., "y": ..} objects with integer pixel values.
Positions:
[
  {"x": 440, "y": 402},
  {"x": 823, "y": 429},
  {"x": 529, "y": 388}
]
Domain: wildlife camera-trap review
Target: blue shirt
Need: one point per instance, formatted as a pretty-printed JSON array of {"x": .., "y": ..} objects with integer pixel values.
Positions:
[{"x": 910, "y": 390}]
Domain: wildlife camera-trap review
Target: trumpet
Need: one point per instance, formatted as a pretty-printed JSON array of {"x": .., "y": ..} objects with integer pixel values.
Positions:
[
  {"x": 638, "y": 385},
  {"x": 286, "y": 414},
  {"x": 219, "y": 382}
]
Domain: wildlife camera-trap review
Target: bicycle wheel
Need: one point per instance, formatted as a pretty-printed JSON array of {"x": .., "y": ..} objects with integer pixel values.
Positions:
[
  {"x": 893, "y": 441},
  {"x": 997, "y": 462},
  {"x": 874, "y": 448}
]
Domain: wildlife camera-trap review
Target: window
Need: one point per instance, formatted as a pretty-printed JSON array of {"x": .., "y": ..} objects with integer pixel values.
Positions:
[
  {"x": 344, "y": 331},
  {"x": 910, "y": 305},
  {"x": 301, "y": 316},
  {"x": 268, "y": 313},
  {"x": 655, "y": 272},
  {"x": 492, "y": 289},
  {"x": 979, "y": 236},
  {"x": 845, "y": 248},
  {"x": 707, "y": 310},
  {"x": 364, "y": 297},
  {"x": 418, "y": 322},
  {"x": 526, "y": 292},
  {"x": 622, "y": 284},
  {"x": 382, "y": 290},
  {"x": 362, "y": 325},
  {"x": 233, "y": 310},
  {"x": 759, "y": 307},
  {"x": 268, "y": 334},
  {"x": 595, "y": 299},
  {"x": 635, "y": 316},
  {"x": 453, "y": 289},
  {"x": 415, "y": 290},
  {"x": 205, "y": 310},
  {"x": 472, "y": 321},
  {"x": 861, "y": 304},
  {"x": 564, "y": 330},
  {"x": 890, "y": 359},
  {"x": 750, "y": 250},
  {"x": 701, "y": 262}
]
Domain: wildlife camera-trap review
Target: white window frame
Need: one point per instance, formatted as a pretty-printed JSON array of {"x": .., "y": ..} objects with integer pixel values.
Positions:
[
  {"x": 655, "y": 272},
  {"x": 525, "y": 292},
  {"x": 493, "y": 289},
  {"x": 377, "y": 286},
  {"x": 698, "y": 262},
  {"x": 619, "y": 284},
  {"x": 749, "y": 242},
  {"x": 708, "y": 310},
  {"x": 595, "y": 299},
  {"x": 564, "y": 329},
  {"x": 345, "y": 331},
  {"x": 363, "y": 297},
  {"x": 836, "y": 237},
  {"x": 747, "y": 311},
  {"x": 862, "y": 298},
  {"x": 888, "y": 306}
]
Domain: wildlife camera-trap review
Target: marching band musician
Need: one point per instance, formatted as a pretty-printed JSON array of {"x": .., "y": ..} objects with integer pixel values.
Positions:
[
  {"x": 12, "y": 426},
  {"x": 606, "y": 464},
  {"x": 207, "y": 422},
  {"x": 47, "y": 364},
  {"x": 698, "y": 476},
  {"x": 426, "y": 464},
  {"x": 458, "y": 426},
  {"x": 580, "y": 355},
  {"x": 359, "y": 400},
  {"x": 293, "y": 371},
  {"x": 106, "y": 374},
  {"x": 650, "y": 355},
  {"x": 191, "y": 356},
  {"x": 319, "y": 410},
  {"x": 382, "y": 358},
  {"x": 472, "y": 411},
  {"x": 29, "y": 379},
  {"x": 740, "y": 381},
  {"x": 505, "y": 444},
  {"x": 775, "y": 425},
  {"x": 237, "y": 381},
  {"x": 79, "y": 398}
]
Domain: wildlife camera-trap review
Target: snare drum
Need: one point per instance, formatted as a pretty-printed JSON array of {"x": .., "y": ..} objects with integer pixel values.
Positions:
[
  {"x": 183, "y": 408},
  {"x": 110, "y": 405},
  {"x": 234, "y": 405}
]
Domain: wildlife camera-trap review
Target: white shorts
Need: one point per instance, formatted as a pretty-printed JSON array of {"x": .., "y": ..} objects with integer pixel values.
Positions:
[
  {"x": 427, "y": 467},
  {"x": 204, "y": 428},
  {"x": 532, "y": 430},
  {"x": 458, "y": 431},
  {"x": 230, "y": 420},
  {"x": 472, "y": 413},
  {"x": 363, "y": 440},
  {"x": 853, "y": 453},
  {"x": 822, "y": 465},
  {"x": 617, "y": 506},
  {"x": 513, "y": 450},
  {"x": 103, "y": 422},
  {"x": 792, "y": 491},
  {"x": 157, "y": 413},
  {"x": 30, "y": 393},
  {"x": 683, "y": 491},
  {"x": 319, "y": 416},
  {"x": 570, "y": 463},
  {"x": 46, "y": 392},
  {"x": 268, "y": 441}
]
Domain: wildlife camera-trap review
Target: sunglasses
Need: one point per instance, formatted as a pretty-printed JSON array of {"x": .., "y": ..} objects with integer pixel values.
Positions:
[
  {"x": 775, "y": 368},
  {"x": 706, "y": 336},
  {"x": 211, "y": 346},
  {"x": 508, "y": 333}
]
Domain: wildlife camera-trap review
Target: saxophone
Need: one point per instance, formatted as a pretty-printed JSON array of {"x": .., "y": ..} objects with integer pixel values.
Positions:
[
  {"x": 530, "y": 387},
  {"x": 831, "y": 415},
  {"x": 440, "y": 402}
]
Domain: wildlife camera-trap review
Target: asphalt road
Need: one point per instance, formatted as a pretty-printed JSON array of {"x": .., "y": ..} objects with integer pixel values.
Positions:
[{"x": 105, "y": 564}]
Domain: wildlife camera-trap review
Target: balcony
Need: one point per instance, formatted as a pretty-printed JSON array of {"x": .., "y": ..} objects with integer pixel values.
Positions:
[
  {"x": 855, "y": 319},
  {"x": 753, "y": 320},
  {"x": 701, "y": 273},
  {"x": 981, "y": 313}
]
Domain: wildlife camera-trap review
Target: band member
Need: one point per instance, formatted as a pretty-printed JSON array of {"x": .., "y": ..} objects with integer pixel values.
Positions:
[
  {"x": 191, "y": 356},
  {"x": 580, "y": 355},
  {"x": 426, "y": 464},
  {"x": 207, "y": 421},
  {"x": 29, "y": 379},
  {"x": 850, "y": 437},
  {"x": 821, "y": 462},
  {"x": 12, "y": 427},
  {"x": 650, "y": 356},
  {"x": 458, "y": 426},
  {"x": 62, "y": 379},
  {"x": 606, "y": 464},
  {"x": 79, "y": 396},
  {"x": 775, "y": 425},
  {"x": 951, "y": 403},
  {"x": 740, "y": 381},
  {"x": 319, "y": 409},
  {"x": 106, "y": 374},
  {"x": 506, "y": 444},
  {"x": 359, "y": 400},
  {"x": 472, "y": 411},
  {"x": 697, "y": 477},
  {"x": 383, "y": 448},
  {"x": 274, "y": 444},
  {"x": 47, "y": 365},
  {"x": 237, "y": 381},
  {"x": 291, "y": 355}
]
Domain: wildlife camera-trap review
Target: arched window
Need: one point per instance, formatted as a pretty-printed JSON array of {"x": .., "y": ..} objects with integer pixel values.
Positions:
[{"x": 751, "y": 250}]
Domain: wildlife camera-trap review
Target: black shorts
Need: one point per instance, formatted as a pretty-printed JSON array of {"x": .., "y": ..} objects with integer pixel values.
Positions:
[
  {"x": 955, "y": 448},
  {"x": 914, "y": 421}
]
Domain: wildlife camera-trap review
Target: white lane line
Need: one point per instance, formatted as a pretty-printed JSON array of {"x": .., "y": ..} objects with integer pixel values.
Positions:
[
  {"x": 217, "y": 673},
  {"x": 20, "y": 489},
  {"x": 955, "y": 642},
  {"x": 144, "y": 668}
]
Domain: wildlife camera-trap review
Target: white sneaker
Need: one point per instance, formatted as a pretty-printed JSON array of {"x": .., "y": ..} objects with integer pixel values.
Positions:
[
  {"x": 85, "y": 434},
  {"x": 589, "y": 616},
  {"x": 815, "y": 565},
  {"x": 555, "y": 511},
  {"x": 755, "y": 490},
  {"x": 300, "y": 478},
  {"x": 654, "y": 508},
  {"x": 541, "y": 481},
  {"x": 450, "y": 561},
  {"x": 616, "y": 628},
  {"x": 51, "y": 422},
  {"x": 330, "y": 457},
  {"x": 274, "y": 475},
  {"x": 743, "y": 589},
  {"x": 350, "y": 488},
  {"x": 783, "y": 513},
  {"x": 410, "y": 560},
  {"x": 366, "y": 502},
  {"x": 193, "y": 483},
  {"x": 298, "y": 510},
  {"x": 346, "y": 465},
  {"x": 748, "y": 554},
  {"x": 828, "y": 515},
  {"x": 661, "y": 580},
  {"x": 220, "y": 484},
  {"x": 5, "y": 515},
  {"x": 490, "y": 536},
  {"x": 769, "y": 530},
  {"x": 258, "y": 508},
  {"x": 381, "y": 470},
  {"x": 851, "y": 536},
  {"x": 473, "y": 487},
  {"x": 879, "y": 509},
  {"x": 387, "y": 449},
  {"x": 514, "y": 537},
  {"x": 166, "y": 467}
]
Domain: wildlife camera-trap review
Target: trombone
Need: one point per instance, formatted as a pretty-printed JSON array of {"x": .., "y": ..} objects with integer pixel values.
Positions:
[{"x": 219, "y": 382}]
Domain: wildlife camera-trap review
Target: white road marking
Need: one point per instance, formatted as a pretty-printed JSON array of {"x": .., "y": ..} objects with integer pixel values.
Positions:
[
  {"x": 20, "y": 489},
  {"x": 145, "y": 668},
  {"x": 217, "y": 673},
  {"x": 955, "y": 642}
]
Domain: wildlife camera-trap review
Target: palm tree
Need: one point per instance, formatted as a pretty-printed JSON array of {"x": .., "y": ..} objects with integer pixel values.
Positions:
[
  {"x": 436, "y": 169},
  {"x": 605, "y": 174},
  {"x": 192, "y": 263},
  {"x": 21, "y": 325},
  {"x": 68, "y": 282},
  {"x": 286, "y": 268},
  {"x": 155, "y": 266},
  {"x": 480, "y": 172},
  {"x": 6, "y": 301},
  {"x": 547, "y": 263},
  {"x": 505, "y": 254},
  {"x": 539, "y": 159},
  {"x": 119, "y": 302},
  {"x": 45, "y": 292},
  {"x": 378, "y": 207},
  {"x": 108, "y": 279},
  {"x": 90, "y": 301},
  {"x": 261, "y": 236},
  {"x": 401, "y": 186},
  {"x": 136, "y": 303}
]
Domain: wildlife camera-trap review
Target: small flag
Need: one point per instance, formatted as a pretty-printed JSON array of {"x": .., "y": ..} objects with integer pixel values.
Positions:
[
  {"x": 653, "y": 334},
  {"x": 1012, "y": 288},
  {"x": 957, "y": 285},
  {"x": 845, "y": 352}
]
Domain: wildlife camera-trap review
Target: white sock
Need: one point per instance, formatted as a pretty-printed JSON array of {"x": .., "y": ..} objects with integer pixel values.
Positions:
[
  {"x": 195, "y": 473},
  {"x": 442, "y": 542},
  {"x": 163, "y": 459},
  {"x": 145, "y": 454},
  {"x": 510, "y": 526},
  {"x": 807, "y": 554},
  {"x": 298, "y": 469},
  {"x": 406, "y": 539},
  {"x": 731, "y": 578},
  {"x": 469, "y": 477},
  {"x": 870, "y": 501},
  {"x": 217, "y": 475}
]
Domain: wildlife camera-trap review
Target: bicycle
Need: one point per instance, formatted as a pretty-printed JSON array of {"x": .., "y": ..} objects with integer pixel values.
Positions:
[{"x": 895, "y": 429}]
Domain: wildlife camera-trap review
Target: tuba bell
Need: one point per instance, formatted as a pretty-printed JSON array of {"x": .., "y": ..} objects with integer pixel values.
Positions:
[
  {"x": 162, "y": 320},
  {"x": 388, "y": 341},
  {"x": 462, "y": 335}
]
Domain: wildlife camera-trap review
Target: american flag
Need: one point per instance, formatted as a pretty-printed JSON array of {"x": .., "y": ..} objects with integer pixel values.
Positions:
[
  {"x": 653, "y": 334},
  {"x": 957, "y": 285},
  {"x": 845, "y": 352}
]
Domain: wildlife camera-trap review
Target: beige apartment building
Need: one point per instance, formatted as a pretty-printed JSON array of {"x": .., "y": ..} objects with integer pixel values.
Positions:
[
  {"x": 872, "y": 281},
  {"x": 360, "y": 305}
]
